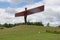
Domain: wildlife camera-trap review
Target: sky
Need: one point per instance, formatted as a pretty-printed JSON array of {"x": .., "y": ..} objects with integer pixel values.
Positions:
[{"x": 51, "y": 14}]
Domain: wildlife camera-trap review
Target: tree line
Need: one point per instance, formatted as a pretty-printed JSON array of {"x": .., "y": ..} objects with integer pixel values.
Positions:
[{"x": 16, "y": 24}]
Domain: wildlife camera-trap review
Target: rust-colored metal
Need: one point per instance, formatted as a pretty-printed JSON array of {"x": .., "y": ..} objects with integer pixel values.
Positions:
[
  {"x": 25, "y": 16},
  {"x": 31, "y": 11},
  {"x": 28, "y": 12}
]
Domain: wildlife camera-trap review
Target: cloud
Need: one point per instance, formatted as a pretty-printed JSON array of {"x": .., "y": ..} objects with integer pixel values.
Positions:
[
  {"x": 10, "y": 10},
  {"x": 17, "y": 1},
  {"x": 52, "y": 10},
  {"x": 4, "y": 16},
  {"x": 50, "y": 15},
  {"x": 9, "y": 13},
  {"x": 52, "y": 2}
]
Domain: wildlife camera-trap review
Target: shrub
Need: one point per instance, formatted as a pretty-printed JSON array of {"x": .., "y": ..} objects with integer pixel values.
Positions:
[
  {"x": 59, "y": 26},
  {"x": 1, "y": 25},
  {"x": 11, "y": 25},
  {"x": 35, "y": 23},
  {"x": 29, "y": 23},
  {"x": 8, "y": 25},
  {"x": 38, "y": 23}
]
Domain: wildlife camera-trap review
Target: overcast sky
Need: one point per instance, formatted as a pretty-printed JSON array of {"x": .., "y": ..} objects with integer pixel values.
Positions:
[{"x": 51, "y": 14}]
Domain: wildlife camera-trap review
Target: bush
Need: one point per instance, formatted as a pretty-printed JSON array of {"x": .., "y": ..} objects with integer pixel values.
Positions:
[
  {"x": 35, "y": 23},
  {"x": 59, "y": 26},
  {"x": 8, "y": 25},
  {"x": 1, "y": 25},
  {"x": 11, "y": 25},
  {"x": 38, "y": 23},
  {"x": 29, "y": 23}
]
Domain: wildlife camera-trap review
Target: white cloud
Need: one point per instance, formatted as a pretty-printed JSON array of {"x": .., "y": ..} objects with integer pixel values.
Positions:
[
  {"x": 10, "y": 10},
  {"x": 52, "y": 8},
  {"x": 4, "y": 16},
  {"x": 51, "y": 13},
  {"x": 52, "y": 2},
  {"x": 17, "y": 1},
  {"x": 10, "y": 13},
  {"x": 8, "y": 16}
]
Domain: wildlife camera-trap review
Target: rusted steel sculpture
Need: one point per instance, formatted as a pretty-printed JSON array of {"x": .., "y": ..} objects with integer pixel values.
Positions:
[{"x": 30, "y": 11}]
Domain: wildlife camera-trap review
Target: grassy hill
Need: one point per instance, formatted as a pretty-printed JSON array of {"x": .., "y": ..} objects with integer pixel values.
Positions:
[{"x": 28, "y": 32}]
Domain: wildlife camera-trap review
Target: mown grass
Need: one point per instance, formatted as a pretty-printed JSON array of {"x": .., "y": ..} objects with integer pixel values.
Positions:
[{"x": 28, "y": 32}]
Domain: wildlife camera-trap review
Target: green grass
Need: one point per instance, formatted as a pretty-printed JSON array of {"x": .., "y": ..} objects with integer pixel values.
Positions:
[{"x": 28, "y": 32}]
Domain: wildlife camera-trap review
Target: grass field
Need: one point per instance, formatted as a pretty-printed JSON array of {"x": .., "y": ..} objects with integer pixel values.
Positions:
[{"x": 28, "y": 32}]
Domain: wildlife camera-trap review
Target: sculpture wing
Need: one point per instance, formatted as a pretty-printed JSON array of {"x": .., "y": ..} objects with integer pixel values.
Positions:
[{"x": 31, "y": 11}]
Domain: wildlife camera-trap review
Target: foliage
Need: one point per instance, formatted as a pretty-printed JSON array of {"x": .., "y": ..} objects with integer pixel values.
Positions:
[
  {"x": 1, "y": 25},
  {"x": 59, "y": 26},
  {"x": 35, "y": 23},
  {"x": 30, "y": 23},
  {"x": 8, "y": 25}
]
